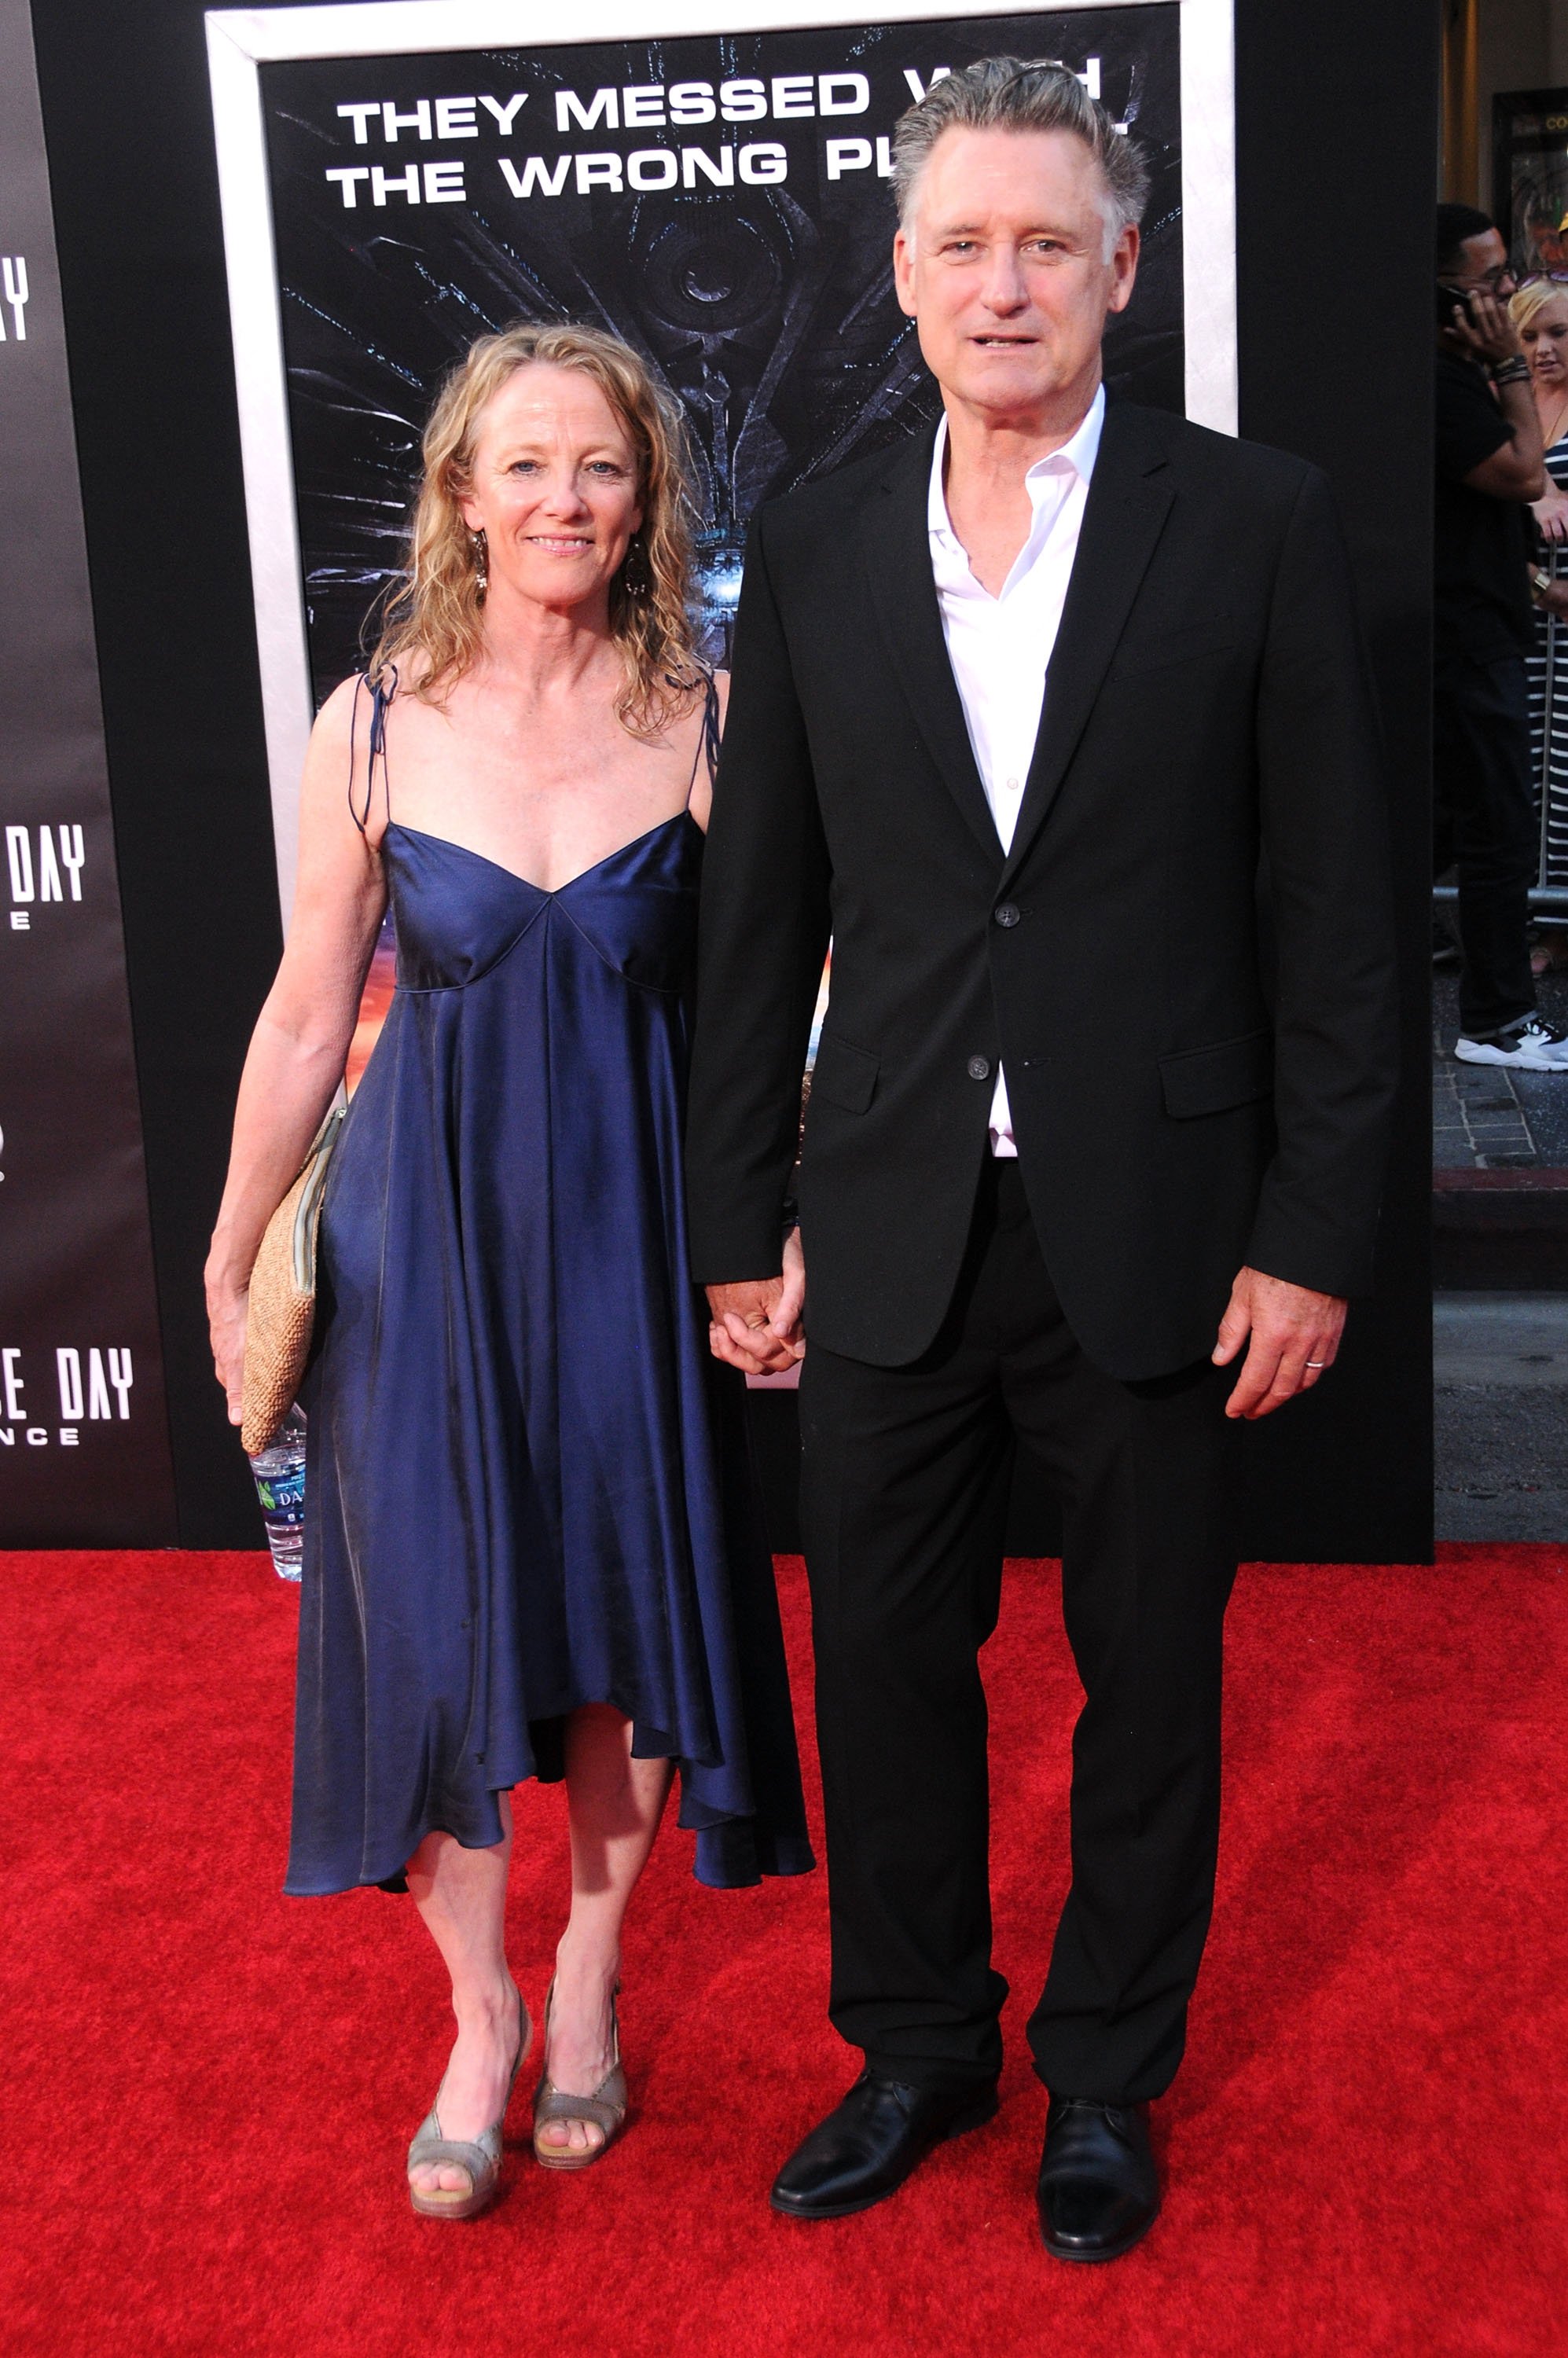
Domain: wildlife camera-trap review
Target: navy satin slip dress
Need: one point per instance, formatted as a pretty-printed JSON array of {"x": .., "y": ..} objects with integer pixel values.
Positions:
[{"x": 528, "y": 1484}]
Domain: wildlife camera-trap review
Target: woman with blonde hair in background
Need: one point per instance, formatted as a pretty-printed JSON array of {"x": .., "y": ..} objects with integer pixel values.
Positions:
[
  {"x": 1541, "y": 314},
  {"x": 531, "y": 1537}
]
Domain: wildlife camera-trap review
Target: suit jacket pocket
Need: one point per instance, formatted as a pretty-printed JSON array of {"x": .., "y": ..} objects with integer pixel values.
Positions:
[
  {"x": 845, "y": 1076},
  {"x": 1210, "y": 1080},
  {"x": 1173, "y": 648}
]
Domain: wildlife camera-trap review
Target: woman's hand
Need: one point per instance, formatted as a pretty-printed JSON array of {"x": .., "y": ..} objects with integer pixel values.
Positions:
[
  {"x": 755, "y": 1325},
  {"x": 226, "y": 1308},
  {"x": 1551, "y": 516}
]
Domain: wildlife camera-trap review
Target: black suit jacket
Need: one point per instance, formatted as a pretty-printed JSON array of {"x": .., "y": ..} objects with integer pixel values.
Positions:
[{"x": 1177, "y": 1111}]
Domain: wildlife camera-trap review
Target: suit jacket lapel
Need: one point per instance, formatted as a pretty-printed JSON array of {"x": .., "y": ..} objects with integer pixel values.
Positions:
[
  {"x": 1129, "y": 497},
  {"x": 896, "y": 547}
]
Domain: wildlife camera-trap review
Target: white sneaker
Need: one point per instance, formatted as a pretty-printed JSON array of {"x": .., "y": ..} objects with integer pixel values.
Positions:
[{"x": 1533, "y": 1045}]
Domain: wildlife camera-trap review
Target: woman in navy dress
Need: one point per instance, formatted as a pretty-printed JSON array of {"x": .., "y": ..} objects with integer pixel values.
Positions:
[{"x": 532, "y": 1545}]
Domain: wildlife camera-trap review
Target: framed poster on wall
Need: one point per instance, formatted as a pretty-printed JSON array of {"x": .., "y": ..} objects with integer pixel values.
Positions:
[
  {"x": 399, "y": 178},
  {"x": 1529, "y": 179}
]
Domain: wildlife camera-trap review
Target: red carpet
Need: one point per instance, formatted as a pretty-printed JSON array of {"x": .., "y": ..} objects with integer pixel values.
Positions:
[{"x": 210, "y": 2088}]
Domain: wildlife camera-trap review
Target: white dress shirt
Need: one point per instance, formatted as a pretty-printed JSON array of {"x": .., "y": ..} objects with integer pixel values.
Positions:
[{"x": 1000, "y": 648}]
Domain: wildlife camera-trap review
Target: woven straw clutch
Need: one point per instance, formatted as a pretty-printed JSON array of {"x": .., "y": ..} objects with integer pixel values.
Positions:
[{"x": 282, "y": 1306}]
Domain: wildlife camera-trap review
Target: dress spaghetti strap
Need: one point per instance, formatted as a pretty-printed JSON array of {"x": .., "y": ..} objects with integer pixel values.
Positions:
[
  {"x": 380, "y": 698},
  {"x": 708, "y": 741}
]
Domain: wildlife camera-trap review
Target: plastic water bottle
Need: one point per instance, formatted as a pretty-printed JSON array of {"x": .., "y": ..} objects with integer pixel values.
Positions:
[{"x": 280, "y": 1486}]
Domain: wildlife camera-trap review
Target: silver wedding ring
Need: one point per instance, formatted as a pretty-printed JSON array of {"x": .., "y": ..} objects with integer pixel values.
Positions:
[{"x": 1317, "y": 1363}]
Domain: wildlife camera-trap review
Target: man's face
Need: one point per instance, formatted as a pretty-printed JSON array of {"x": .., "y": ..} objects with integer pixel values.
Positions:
[
  {"x": 1004, "y": 265},
  {"x": 1483, "y": 266}
]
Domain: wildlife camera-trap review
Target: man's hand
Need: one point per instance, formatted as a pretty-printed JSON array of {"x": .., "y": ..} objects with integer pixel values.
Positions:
[
  {"x": 1291, "y": 1334},
  {"x": 1488, "y": 334},
  {"x": 755, "y": 1325}
]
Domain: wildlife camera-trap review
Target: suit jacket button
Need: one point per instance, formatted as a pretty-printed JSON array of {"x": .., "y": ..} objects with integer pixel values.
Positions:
[
  {"x": 979, "y": 1068},
  {"x": 1009, "y": 913}
]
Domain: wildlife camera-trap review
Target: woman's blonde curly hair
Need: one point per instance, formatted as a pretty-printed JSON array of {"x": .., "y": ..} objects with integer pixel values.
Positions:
[{"x": 436, "y": 611}]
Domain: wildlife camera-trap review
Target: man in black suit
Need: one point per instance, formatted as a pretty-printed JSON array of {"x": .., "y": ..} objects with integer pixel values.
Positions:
[{"x": 1019, "y": 716}]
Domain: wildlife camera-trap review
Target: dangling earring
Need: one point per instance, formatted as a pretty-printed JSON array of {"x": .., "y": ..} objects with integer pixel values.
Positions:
[
  {"x": 480, "y": 548},
  {"x": 634, "y": 567}
]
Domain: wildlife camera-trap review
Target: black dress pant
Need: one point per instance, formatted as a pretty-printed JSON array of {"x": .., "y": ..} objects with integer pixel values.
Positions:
[
  {"x": 903, "y": 1500},
  {"x": 1485, "y": 824}
]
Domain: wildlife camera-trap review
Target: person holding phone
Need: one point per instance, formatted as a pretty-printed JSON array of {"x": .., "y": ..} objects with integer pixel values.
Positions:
[{"x": 1489, "y": 469}]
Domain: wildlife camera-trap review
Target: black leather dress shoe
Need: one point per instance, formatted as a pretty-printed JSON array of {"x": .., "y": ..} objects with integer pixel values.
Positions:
[
  {"x": 871, "y": 2142},
  {"x": 1099, "y": 2190}
]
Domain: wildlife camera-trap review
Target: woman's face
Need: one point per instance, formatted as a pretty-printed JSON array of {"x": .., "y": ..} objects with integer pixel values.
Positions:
[
  {"x": 1545, "y": 343},
  {"x": 553, "y": 487}
]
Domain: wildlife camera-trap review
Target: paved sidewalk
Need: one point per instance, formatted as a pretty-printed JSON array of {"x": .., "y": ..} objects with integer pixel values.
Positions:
[
  {"x": 1484, "y": 1117},
  {"x": 1500, "y": 1400}
]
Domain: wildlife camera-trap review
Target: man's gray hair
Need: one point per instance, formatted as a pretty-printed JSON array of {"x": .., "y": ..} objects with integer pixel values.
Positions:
[{"x": 1010, "y": 95}]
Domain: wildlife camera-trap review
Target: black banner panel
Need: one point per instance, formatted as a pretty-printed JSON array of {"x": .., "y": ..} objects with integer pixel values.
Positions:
[
  {"x": 84, "y": 1457},
  {"x": 208, "y": 693}
]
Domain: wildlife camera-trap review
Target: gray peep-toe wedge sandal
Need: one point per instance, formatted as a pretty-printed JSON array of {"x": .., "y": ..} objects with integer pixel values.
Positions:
[
  {"x": 481, "y": 2155},
  {"x": 606, "y": 2108}
]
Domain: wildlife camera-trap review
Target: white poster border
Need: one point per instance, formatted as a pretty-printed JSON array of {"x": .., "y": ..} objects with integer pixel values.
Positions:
[{"x": 241, "y": 40}]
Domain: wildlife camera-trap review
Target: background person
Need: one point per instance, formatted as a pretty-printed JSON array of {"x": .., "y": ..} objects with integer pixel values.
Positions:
[
  {"x": 1033, "y": 685},
  {"x": 529, "y": 1531},
  {"x": 1489, "y": 469},
  {"x": 1540, "y": 311}
]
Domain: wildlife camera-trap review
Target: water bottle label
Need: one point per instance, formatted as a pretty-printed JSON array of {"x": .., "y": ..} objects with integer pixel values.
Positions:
[{"x": 282, "y": 1495}]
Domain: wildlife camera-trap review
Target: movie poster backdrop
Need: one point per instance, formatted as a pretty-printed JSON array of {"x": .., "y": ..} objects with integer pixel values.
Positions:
[
  {"x": 722, "y": 202},
  {"x": 85, "y": 1455}
]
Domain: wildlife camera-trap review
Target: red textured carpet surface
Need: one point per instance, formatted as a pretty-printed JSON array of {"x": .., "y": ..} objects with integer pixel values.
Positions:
[{"x": 211, "y": 2088}]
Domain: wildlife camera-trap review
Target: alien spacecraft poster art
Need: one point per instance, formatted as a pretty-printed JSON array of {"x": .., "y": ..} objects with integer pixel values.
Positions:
[{"x": 720, "y": 202}]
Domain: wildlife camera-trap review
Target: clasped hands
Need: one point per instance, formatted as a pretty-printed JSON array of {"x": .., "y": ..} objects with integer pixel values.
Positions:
[
  {"x": 1290, "y": 1335},
  {"x": 755, "y": 1325}
]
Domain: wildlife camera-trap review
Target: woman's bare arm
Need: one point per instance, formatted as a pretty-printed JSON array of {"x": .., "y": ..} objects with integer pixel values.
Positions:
[{"x": 301, "y": 1040}]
